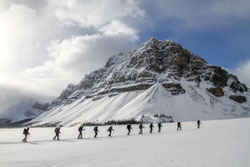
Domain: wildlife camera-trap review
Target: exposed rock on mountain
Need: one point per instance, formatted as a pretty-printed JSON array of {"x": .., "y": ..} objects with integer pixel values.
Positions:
[
  {"x": 239, "y": 99},
  {"x": 216, "y": 92}
]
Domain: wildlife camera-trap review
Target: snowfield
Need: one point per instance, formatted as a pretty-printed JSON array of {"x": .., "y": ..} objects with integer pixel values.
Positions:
[{"x": 223, "y": 143}]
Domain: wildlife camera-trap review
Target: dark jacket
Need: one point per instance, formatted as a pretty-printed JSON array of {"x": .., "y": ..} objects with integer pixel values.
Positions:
[
  {"x": 26, "y": 131},
  {"x": 129, "y": 127},
  {"x": 96, "y": 128}
]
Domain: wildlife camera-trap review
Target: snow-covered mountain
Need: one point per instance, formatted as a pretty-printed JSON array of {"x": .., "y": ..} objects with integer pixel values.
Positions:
[
  {"x": 159, "y": 80},
  {"x": 19, "y": 105}
]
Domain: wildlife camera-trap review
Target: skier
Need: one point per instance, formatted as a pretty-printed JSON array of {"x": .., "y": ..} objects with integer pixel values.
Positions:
[
  {"x": 178, "y": 126},
  {"x": 141, "y": 127},
  {"x": 151, "y": 126},
  {"x": 80, "y": 129},
  {"x": 198, "y": 124},
  {"x": 129, "y": 128},
  {"x": 96, "y": 130},
  {"x": 57, "y": 132},
  {"x": 110, "y": 129},
  {"x": 26, "y": 133},
  {"x": 159, "y": 126}
]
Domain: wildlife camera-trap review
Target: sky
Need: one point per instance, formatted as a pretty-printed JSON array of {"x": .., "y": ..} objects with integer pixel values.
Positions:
[{"x": 45, "y": 45}]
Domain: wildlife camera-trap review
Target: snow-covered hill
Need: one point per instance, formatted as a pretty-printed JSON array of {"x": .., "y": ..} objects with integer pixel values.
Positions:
[
  {"x": 158, "y": 81},
  {"x": 223, "y": 143}
]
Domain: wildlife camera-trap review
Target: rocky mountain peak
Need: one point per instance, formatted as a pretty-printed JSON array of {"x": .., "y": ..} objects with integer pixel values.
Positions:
[
  {"x": 164, "y": 62},
  {"x": 157, "y": 81},
  {"x": 162, "y": 56}
]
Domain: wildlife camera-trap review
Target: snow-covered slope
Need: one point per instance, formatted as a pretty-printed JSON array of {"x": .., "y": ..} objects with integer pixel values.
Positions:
[
  {"x": 159, "y": 80},
  {"x": 223, "y": 143}
]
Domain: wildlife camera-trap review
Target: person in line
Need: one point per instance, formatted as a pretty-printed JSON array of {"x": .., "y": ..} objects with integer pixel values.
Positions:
[
  {"x": 141, "y": 128},
  {"x": 129, "y": 127},
  {"x": 80, "y": 129},
  {"x": 57, "y": 132},
  {"x": 96, "y": 131},
  {"x": 151, "y": 126},
  {"x": 26, "y": 133},
  {"x": 198, "y": 124},
  {"x": 110, "y": 129},
  {"x": 178, "y": 126},
  {"x": 159, "y": 127}
]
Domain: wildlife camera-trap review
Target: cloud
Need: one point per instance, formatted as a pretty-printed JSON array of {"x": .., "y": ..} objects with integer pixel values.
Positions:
[
  {"x": 118, "y": 28},
  {"x": 94, "y": 13},
  {"x": 81, "y": 53},
  {"x": 15, "y": 100},
  {"x": 12, "y": 32},
  {"x": 243, "y": 73},
  {"x": 45, "y": 46},
  {"x": 72, "y": 58}
]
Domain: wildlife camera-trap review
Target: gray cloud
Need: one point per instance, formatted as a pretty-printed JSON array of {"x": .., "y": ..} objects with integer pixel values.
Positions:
[{"x": 21, "y": 97}]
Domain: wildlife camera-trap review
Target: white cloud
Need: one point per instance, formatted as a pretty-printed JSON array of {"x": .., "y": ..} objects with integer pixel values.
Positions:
[
  {"x": 243, "y": 73},
  {"x": 49, "y": 45},
  {"x": 45, "y": 45},
  {"x": 12, "y": 33},
  {"x": 118, "y": 28},
  {"x": 74, "y": 57},
  {"x": 94, "y": 13}
]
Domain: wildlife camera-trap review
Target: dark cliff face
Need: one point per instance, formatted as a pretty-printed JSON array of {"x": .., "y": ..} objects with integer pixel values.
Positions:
[{"x": 144, "y": 66}]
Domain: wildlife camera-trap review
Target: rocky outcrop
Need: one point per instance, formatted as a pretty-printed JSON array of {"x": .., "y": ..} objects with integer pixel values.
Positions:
[
  {"x": 239, "y": 99},
  {"x": 216, "y": 92},
  {"x": 174, "y": 88},
  {"x": 236, "y": 85},
  {"x": 136, "y": 87},
  {"x": 128, "y": 88},
  {"x": 219, "y": 77}
]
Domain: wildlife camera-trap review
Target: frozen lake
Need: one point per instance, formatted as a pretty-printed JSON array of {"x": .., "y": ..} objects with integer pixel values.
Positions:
[{"x": 222, "y": 143}]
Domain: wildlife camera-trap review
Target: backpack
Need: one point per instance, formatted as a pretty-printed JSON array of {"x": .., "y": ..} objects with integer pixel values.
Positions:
[
  {"x": 26, "y": 131},
  {"x": 80, "y": 128},
  {"x": 56, "y": 129},
  {"x": 95, "y": 128}
]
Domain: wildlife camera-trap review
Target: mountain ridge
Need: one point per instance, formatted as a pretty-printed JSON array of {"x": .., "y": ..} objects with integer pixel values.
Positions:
[
  {"x": 155, "y": 65},
  {"x": 151, "y": 83}
]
